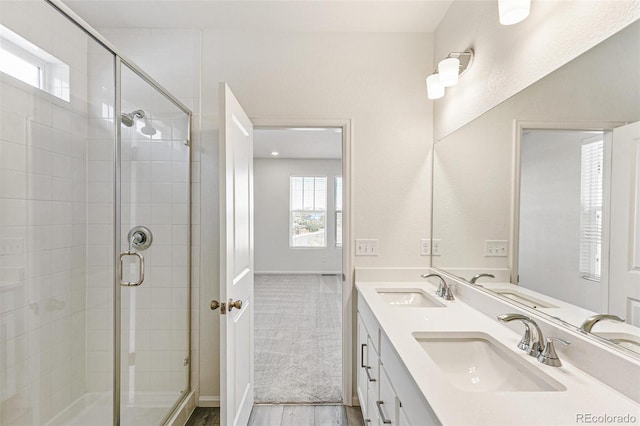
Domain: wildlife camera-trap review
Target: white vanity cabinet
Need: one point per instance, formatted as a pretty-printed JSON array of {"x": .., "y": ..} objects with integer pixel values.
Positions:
[
  {"x": 368, "y": 374},
  {"x": 387, "y": 393}
]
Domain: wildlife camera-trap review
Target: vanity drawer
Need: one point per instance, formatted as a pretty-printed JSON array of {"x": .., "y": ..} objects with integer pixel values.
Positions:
[
  {"x": 370, "y": 322},
  {"x": 387, "y": 404}
]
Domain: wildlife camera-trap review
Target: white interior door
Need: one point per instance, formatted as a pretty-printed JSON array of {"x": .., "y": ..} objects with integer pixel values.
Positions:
[
  {"x": 236, "y": 263},
  {"x": 624, "y": 283}
]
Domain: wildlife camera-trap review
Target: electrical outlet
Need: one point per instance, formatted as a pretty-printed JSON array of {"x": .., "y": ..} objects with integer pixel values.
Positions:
[
  {"x": 436, "y": 247},
  {"x": 496, "y": 248},
  {"x": 366, "y": 247},
  {"x": 425, "y": 247}
]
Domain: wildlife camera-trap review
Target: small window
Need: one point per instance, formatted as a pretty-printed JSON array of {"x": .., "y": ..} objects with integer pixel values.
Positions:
[
  {"x": 28, "y": 63},
  {"x": 338, "y": 193},
  {"x": 308, "y": 211},
  {"x": 591, "y": 203}
]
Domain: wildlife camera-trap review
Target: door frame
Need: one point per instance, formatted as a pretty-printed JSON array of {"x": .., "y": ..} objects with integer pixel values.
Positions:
[
  {"x": 347, "y": 213},
  {"x": 519, "y": 126}
]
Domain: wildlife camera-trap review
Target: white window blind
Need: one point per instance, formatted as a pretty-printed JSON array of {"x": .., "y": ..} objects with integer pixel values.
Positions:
[
  {"x": 308, "y": 211},
  {"x": 591, "y": 203}
]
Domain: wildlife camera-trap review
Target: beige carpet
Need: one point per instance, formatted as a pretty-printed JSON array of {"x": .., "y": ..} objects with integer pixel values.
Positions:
[{"x": 298, "y": 339}]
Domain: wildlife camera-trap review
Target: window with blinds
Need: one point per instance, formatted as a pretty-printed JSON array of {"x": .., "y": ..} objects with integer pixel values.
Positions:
[
  {"x": 591, "y": 204},
  {"x": 308, "y": 211}
]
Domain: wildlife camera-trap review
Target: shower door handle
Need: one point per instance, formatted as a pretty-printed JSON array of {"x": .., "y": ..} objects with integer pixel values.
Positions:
[{"x": 140, "y": 268}]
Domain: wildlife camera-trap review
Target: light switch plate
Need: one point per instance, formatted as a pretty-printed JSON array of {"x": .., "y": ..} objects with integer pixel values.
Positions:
[
  {"x": 436, "y": 247},
  {"x": 496, "y": 248},
  {"x": 366, "y": 247},
  {"x": 425, "y": 247}
]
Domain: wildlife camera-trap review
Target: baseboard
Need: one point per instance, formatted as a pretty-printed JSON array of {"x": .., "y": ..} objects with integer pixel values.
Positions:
[
  {"x": 297, "y": 272},
  {"x": 209, "y": 401}
]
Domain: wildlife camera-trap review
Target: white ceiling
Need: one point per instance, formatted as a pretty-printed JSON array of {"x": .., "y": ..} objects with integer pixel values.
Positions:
[
  {"x": 312, "y": 143},
  {"x": 266, "y": 15}
]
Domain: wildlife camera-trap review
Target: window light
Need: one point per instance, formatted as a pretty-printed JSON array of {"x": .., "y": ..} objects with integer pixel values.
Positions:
[{"x": 24, "y": 61}]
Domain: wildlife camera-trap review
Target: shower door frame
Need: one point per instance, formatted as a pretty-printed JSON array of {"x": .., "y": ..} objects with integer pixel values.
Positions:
[{"x": 118, "y": 61}]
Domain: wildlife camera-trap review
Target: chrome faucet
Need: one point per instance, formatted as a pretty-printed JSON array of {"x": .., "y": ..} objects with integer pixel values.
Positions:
[
  {"x": 536, "y": 345},
  {"x": 475, "y": 277},
  {"x": 548, "y": 356},
  {"x": 532, "y": 344},
  {"x": 588, "y": 324},
  {"x": 443, "y": 290}
]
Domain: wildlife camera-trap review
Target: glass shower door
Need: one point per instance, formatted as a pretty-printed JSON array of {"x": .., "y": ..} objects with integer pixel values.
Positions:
[{"x": 154, "y": 245}]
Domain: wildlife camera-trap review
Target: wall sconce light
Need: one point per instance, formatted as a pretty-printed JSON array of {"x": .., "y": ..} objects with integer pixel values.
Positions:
[
  {"x": 513, "y": 11},
  {"x": 449, "y": 71}
]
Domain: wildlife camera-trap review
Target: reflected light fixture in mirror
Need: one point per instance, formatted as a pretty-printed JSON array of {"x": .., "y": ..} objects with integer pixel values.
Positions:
[
  {"x": 448, "y": 73},
  {"x": 513, "y": 11}
]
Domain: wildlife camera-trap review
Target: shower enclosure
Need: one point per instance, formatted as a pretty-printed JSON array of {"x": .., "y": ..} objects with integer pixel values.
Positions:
[{"x": 94, "y": 229}]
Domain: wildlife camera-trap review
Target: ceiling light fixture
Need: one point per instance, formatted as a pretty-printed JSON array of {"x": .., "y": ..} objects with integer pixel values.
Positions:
[
  {"x": 513, "y": 11},
  {"x": 448, "y": 73},
  {"x": 275, "y": 153}
]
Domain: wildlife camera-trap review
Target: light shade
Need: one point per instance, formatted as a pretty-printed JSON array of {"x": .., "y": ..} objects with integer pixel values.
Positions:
[
  {"x": 435, "y": 90},
  {"x": 513, "y": 11},
  {"x": 448, "y": 70}
]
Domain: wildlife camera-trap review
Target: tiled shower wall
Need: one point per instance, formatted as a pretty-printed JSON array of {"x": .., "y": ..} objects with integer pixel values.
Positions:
[
  {"x": 100, "y": 211},
  {"x": 43, "y": 196},
  {"x": 172, "y": 57},
  {"x": 155, "y": 190}
]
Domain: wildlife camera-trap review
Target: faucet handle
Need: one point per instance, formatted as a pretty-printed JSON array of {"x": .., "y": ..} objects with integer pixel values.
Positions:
[
  {"x": 549, "y": 356},
  {"x": 447, "y": 294}
]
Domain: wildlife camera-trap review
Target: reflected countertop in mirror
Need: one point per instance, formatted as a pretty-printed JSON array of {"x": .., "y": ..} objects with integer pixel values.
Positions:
[{"x": 535, "y": 192}]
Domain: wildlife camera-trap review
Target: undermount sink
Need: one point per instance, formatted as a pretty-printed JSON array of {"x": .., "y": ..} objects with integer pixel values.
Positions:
[
  {"x": 409, "y": 297},
  {"x": 475, "y": 362},
  {"x": 626, "y": 340},
  {"x": 525, "y": 299}
]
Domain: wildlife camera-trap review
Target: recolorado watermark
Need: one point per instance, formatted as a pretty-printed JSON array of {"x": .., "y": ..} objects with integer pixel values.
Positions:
[{"x": 590, "y": 418}]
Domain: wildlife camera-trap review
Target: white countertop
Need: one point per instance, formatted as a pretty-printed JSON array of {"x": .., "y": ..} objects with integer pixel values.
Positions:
[{"x": 453, "y": 406}]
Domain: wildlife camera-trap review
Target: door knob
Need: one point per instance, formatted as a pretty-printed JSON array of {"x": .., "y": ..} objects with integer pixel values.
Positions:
[{"x": 237, "y": 304}]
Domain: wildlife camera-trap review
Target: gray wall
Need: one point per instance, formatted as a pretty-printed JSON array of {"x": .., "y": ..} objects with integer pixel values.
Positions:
[
  {"x": 550, "y": 218},
  {"x": 271, "y": 198}
]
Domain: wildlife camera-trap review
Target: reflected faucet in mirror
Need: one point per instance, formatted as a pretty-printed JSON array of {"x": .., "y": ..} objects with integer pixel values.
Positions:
[
  {"x": 475, "y": 278},
  {"x": 588, "y": 324}
]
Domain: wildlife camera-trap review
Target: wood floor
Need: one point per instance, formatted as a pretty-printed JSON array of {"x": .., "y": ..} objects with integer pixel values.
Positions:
[{"x": 287, "y": 415}]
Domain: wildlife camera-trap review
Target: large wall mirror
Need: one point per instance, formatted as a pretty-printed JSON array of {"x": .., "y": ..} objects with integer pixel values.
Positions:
[{"x": 538, "y": 199}]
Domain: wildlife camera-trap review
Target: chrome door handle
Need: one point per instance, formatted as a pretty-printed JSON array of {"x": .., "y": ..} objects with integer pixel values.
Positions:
[
  {"x": 362, "y": 346},
  {"x": 140, "y": 268},
  {"x": 237, "y": 304},
  {"x": 382, "y": 416},
  {"x": 371, "y": 379}
]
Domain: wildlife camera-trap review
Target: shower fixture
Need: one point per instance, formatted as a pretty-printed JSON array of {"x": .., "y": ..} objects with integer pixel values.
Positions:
[{"x": 129, "y": 118}]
